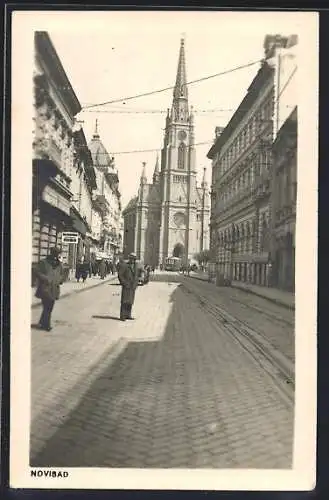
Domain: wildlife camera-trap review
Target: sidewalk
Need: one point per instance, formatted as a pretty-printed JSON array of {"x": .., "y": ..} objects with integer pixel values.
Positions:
[
  {"x": 70, "y": 287},
  {"x": 280, "y": 297}
]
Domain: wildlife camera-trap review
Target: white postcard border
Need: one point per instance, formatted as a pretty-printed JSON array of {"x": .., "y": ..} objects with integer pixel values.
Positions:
[{"x": 302, "y": 476}]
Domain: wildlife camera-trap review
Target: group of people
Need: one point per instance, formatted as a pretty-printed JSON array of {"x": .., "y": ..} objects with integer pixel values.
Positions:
[
  {"x": 50, "y": 276},
  {"x": 87, "y": 269}
]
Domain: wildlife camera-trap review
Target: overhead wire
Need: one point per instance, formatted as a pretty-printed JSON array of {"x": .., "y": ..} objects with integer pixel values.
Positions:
[
  {"x": 152, "y": 92},
  {"x": 152, "y": 150},
  {"x": 159, "y": 111}
]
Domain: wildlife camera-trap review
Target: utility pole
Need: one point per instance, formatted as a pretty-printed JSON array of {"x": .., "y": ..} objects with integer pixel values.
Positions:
[{"x": 204, "y": 186}]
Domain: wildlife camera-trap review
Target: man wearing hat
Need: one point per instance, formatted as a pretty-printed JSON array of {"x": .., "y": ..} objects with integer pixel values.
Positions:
[
  {"x": 50, "y": 276},
  {"x": 128, "y": 278}
]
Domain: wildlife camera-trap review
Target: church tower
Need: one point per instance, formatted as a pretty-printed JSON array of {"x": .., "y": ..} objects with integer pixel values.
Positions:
[{"x": 179, "y": 194}]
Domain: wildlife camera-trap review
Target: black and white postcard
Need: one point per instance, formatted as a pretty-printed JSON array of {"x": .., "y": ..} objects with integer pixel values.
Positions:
[{"x": 164, "y": 250}]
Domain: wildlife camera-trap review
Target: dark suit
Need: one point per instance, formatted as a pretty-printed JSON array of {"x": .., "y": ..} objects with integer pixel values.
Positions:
[
  {"x": 128, "y": 278},
  {"x": 50, "y": 276}
]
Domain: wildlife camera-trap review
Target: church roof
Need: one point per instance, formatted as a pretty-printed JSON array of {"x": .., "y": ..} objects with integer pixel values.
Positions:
[
  {"x": 99, "y": 153},
  {"x": 152, "y": 193},
  {"x": 131, "y": 204}
]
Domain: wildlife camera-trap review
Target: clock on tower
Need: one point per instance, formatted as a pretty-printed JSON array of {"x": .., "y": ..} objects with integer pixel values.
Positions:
[{"x": 182, "y": 135}]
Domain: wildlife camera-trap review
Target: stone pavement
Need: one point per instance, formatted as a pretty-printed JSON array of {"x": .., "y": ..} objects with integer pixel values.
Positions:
[
  {"x": 73, "y": 286},
  {"x": 171, "y": 389},
  {"x": 280, "y": 297},
  {"x": 277, "y": 323}
]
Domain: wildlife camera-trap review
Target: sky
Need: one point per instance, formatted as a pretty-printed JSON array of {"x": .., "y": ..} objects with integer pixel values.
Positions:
[{"x": 111, "y": 55}]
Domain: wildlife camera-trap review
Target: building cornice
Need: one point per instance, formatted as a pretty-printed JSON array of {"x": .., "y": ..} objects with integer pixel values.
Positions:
[
  {"x": 264, "y": 74},
  {"x": 46, "y": 49}
]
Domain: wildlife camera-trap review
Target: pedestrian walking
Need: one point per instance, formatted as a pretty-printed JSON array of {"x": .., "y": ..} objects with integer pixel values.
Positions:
[
  {"x": 102, "y": 269},
  {"x": 147, "y": 271},
  {"x": 84, "y": 271},
  {"x": 78, "y": 271},
  {"x": 50, "y": 276},
  {"x": 128, "y": 277}
]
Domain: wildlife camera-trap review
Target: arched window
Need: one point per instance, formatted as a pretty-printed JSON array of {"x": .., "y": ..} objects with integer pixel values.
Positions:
[
  {"x": 264, "y": 246},
  {"x": 181, "y": 156}
]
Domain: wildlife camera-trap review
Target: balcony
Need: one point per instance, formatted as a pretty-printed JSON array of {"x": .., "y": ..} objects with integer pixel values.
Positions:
[
  {"x": 48, "y": 149},
  {"x": 101, "y": 204},
  {"x": 261, "y": 185},
  {"x": 55, "y": 153}
]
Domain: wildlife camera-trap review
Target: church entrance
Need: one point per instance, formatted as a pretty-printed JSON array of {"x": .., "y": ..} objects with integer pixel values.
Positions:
[{"x": 178, "y": 251}]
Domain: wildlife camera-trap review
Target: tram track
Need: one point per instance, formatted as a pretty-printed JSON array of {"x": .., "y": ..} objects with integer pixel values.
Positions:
[
  {"x": 268, "y": 314},
  {"x": 249, "y": 304},
  {"x": 278, "y": 367}
]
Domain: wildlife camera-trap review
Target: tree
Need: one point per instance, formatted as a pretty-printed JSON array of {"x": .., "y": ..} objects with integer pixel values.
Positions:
[{"x": 203, "y": 257}]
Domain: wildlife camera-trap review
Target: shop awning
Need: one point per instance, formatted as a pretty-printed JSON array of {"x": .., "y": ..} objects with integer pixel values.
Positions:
[
  {"x": 43, "y": 167},
  {"x": 56, "y": 199}
]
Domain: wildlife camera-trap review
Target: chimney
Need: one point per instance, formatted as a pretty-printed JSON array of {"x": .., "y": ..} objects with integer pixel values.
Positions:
[
  {"x": 272, "y": 42},
  {"x": 218, "y": 132},
  {"x": 292, "y": 41}
]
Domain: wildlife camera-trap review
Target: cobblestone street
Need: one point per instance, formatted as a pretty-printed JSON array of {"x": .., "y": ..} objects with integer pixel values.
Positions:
[{"x": 175, "y": 388}]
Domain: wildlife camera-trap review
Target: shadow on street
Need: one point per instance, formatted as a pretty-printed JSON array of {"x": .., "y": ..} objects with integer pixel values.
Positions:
[{"x": 166, "y": 404}]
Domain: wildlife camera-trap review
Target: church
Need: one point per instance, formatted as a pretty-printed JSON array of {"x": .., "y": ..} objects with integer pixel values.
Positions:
[{"x": 170, "y": 216}]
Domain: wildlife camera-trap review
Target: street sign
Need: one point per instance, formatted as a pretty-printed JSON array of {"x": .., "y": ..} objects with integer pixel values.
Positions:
[{"x": 70, "y": 237}]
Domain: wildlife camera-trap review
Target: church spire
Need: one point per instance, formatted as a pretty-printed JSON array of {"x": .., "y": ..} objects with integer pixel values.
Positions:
[
  {"x": 143, "y": 179},
  {"x": 96, "y": 134},
  {"x": 156, "y": 171},
  {"x": 180, "y": 90},
  {"x": 204, "y": 181},
  {"x": 180, "y": 101}
]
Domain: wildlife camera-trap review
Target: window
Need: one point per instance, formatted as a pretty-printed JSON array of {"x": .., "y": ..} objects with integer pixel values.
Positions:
[
  {"x": 250, "y": 127},
  {"x": 181, "y": 156},
  {"x": 179, "y": 178}
]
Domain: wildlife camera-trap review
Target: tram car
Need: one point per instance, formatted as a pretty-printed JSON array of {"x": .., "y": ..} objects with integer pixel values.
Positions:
[{"x": 173, "y": 264}]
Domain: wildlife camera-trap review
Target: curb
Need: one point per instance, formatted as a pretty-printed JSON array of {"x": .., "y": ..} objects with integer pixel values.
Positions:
[
  {"x": 80, "y": 290},
  {"x": 270, "y": 299},
  {"x": 248, "y": 290}
]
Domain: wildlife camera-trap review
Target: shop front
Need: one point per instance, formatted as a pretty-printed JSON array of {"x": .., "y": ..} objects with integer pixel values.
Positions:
[
  {"x": 50, "y": 212},
  {"x": 78, "y": 252},
  {"x": 252, "y": 268}
]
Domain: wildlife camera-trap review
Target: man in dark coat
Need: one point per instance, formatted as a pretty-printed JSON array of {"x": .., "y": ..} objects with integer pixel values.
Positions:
[
  {"x": 102, "y": 269},
  {"x": 84, "y": 271},
  {"x": 128, "y": 278},
  {"x": 147, "y": 270},
  {"x": 50, "y": 276}
]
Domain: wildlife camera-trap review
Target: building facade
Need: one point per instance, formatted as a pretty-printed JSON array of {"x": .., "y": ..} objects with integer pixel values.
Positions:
[
  {"x": 106, "y": 203},
  {"x": 243, "y": 208},
  {"x": 83, "y": 186},
  {"x": 56, "y": 106},
  {"x": 75, "y": 188},
  {"x": 284, "y": 179},
  {"x": 170, "y": 216},
  {"x": 240, "y": 196}
]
